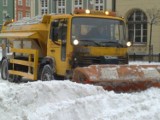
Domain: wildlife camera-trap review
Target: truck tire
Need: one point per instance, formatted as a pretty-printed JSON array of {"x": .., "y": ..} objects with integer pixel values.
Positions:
[
  {"x": 4, "y": 69},
  {"x": 46, "y": 73}
]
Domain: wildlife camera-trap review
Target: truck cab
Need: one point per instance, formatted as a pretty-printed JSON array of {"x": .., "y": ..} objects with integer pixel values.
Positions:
[{"x": 81, "y": 40}]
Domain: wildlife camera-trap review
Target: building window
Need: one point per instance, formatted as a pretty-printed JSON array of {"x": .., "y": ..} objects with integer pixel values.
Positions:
[
  {"x": 78, "y": 4},
  {"x": 19, "y": 2},
  {"x": 61, "y": 6},
  {"x": 5, "y": 14},
  {"x": 28, "y": 3},
  {"x": 137, "y": 27},
  {"x": 4, "y": 2},
  {"x": 44, "y": 7},
  {"x": 28, "y": 14},
  {"x": 99, "y": 4},
  {"x": 20, "y": 15}
]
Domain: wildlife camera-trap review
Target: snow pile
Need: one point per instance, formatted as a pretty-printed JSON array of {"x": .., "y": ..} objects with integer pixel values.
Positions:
[
  {"x": 42, "y": 100},
  {"x": 65, "y": 100},
  {"x": 27, "y": 20},
  {"x": 143, "y": 63}
]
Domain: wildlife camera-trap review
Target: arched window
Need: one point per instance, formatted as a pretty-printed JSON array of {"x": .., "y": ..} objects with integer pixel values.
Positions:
[{"x": 137, "y": 27}]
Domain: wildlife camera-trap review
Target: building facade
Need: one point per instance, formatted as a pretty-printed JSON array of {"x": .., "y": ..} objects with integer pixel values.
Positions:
[
  {"x": 22, "y": 9},
  {"x": 17, "y": 9},
  {"x": 14, "y": 9},
  {"x": 40, "y": 7},
  {"x": 6, "y": 10},
  {"x": 138, "y": 20}
]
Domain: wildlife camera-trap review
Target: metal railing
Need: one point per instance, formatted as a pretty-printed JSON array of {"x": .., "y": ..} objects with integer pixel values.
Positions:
[
  {"x": 31, "y": 63},
  {"x": 144, "y": 57}
]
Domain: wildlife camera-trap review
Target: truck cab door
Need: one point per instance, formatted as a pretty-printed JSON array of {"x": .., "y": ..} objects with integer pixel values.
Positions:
[{"x": 58, "y": 43}]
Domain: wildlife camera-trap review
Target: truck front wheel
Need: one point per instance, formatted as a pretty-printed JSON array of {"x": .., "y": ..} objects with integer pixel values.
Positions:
[
  {"x": 46, "y": 73},
  {"x": 4, "y": 69}
]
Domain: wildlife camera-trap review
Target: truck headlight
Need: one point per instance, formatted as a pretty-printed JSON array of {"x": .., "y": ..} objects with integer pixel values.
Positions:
[
  {"x": 128, "y": 44},
  {"x": 87, "y": 11},
  {"x": 75, "y": 42}
]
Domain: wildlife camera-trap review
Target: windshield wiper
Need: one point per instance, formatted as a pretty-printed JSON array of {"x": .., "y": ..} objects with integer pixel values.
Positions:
[
  {"x": 111, "y": 43},
  {"x": 91, "y": 42}
]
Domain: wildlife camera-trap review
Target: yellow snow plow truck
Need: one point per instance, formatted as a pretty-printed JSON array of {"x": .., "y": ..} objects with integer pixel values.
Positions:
[{"x": 86, "y": 47}]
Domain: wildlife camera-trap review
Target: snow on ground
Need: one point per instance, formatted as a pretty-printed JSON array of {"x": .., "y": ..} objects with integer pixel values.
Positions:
[
  {"x": 66, "y": 100},
  {"x": 143, "y": 63}
]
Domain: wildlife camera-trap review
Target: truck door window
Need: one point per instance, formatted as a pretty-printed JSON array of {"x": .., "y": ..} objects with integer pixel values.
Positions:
[
  {"x": 61, "y": 32},
  {"x": 63, "y": 37}
]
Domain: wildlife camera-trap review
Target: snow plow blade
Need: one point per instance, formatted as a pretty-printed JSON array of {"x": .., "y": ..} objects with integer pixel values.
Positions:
[{"x": 120, "y": 78}]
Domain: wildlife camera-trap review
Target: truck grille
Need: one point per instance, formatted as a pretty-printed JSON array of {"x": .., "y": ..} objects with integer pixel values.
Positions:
[
  {"x": 85, "y": 61},
  {"x": 91, "y": 60}
]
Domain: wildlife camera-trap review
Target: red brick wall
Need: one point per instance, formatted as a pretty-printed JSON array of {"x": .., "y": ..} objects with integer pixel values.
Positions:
[{"x": 23, "y": 8}]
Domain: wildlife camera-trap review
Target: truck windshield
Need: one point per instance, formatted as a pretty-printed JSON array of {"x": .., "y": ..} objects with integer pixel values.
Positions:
[{"x": 98, "y": 31}]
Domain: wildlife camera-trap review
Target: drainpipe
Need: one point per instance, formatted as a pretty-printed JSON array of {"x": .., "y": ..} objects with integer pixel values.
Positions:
[
  {"x": 87, "y": 4},
  {"x": 14, "y": 9},
  {"x": 114, "y": 5}
]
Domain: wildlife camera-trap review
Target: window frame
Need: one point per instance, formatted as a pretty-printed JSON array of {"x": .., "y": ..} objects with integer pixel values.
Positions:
[
  {"x": 5, "y": 2},
  {"x": 99, "y": 4},
  {"x": 44, "y": 7},
  {"x": 5, "y": 14},
  {"x": 20, "y": 15},
  {"x": 28, "y": 14},
  {"x": 20, "y": 2},
  {"x": 137, "y": 27},
  {"x": 61, "y": 6},
  {"x": 79, "y": 4},
  {"x": 28, "y": 3}
]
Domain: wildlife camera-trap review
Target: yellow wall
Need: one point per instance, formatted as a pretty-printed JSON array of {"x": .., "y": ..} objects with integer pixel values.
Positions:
[{"x": 123, "y": 8}]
